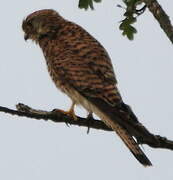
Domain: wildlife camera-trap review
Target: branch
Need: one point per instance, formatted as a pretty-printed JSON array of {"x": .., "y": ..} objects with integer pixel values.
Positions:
[
  {"x": 161, "y": 17},
  {"x": 154, "y": 141},
  {"x": 55, "y": 116}
]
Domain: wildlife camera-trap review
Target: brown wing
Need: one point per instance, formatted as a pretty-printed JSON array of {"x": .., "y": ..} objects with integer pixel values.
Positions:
[{"x": 87, "y": 67}]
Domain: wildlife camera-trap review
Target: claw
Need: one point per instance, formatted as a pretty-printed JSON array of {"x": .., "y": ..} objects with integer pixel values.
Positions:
[
  {"x": 89, "y": 119},
  {"x": 69, "y": 113}
]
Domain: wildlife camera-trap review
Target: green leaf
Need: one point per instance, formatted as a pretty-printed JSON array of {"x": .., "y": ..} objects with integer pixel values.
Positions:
[
  {"x": 127, "y": 28},
  {"x": 85, "y": 4}
]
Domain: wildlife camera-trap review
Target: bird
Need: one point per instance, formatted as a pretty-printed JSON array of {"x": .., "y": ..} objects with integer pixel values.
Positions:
[{"x": 82, "y": 69}]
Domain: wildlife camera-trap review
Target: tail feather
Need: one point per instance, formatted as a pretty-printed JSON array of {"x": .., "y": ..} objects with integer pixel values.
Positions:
[
  {"x": 122, "y": 124},
  {"x": 132, "y": 145}
]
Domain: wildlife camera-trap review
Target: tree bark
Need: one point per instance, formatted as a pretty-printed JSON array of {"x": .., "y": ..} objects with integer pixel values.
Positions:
[{"x": 162, "y": 18}]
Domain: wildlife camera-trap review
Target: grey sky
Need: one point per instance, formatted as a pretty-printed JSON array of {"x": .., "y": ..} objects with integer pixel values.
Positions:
[{"x": 31, "y": 149}]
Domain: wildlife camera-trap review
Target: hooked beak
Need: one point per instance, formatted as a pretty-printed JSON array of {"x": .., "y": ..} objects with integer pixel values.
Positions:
[{"x": 26, "y": 37}]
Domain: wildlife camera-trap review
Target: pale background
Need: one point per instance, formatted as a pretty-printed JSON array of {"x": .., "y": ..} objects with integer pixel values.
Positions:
[{"x": 38, "y": 150}]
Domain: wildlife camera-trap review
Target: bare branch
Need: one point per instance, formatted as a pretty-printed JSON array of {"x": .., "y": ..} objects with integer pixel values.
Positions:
[
  {"x": 152, "y": 140},
  {"x": 57, "y": 117},
  {"x": 161, "y": 17}
]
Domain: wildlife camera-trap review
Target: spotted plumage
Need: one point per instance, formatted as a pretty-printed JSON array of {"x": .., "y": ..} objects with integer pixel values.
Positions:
[{"x": 81, "y": 68}]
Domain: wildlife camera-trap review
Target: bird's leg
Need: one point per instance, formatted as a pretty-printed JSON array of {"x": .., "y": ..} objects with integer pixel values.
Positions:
[
  {"x": 89, "y": 119},
  {"x": 70, "y": 112}
]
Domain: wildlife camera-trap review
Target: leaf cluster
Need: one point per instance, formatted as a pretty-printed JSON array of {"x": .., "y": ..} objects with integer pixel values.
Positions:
[{"x": 131, "y": 14}]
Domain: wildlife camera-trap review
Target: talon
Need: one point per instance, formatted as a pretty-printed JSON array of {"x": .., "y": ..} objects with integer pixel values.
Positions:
[
  {"x": 69, "y": 113},
  {"x": 67, "y": 124},
  {"x": 89, "y": 119}
]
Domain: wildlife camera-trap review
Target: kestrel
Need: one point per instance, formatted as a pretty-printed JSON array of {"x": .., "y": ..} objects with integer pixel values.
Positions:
[{"x": 81, "y": 68}]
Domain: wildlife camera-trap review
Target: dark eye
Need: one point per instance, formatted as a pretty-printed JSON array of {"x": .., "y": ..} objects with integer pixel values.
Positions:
[
  {"x": 29, "y": 23},
  {"x": 26, "y": 25}
]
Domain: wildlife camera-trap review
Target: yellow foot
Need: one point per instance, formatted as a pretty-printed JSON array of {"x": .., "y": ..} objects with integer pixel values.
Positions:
[{"x": 69, "y": 113}]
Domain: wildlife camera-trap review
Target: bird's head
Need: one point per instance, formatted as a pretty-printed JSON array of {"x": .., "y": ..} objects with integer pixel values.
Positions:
[{"x": 42, "y": 23}]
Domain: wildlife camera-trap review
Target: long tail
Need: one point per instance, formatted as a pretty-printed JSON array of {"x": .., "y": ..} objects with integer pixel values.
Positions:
[
  {"x": 121, "y": 124},
  {"x": 132, "y": 145}
]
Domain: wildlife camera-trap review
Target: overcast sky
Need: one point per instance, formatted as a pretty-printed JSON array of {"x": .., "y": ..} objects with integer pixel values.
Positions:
[{"x": 38, "y": 150}]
